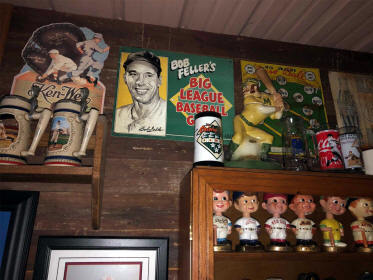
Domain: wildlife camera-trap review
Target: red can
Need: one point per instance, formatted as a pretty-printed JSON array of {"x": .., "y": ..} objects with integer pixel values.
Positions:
[{"x": 329, "y": 149}]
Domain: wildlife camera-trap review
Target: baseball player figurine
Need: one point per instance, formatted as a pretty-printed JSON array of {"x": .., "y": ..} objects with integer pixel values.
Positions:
[
  {"x": 58, "y": 63},
  {"x": 304, "y": 229},
  {"x": 222, "y": 225},
  {"x": 276, "y": 204},
  {"x": 88, "y": 49},
  {"x": 362, "y": 229},
  {"x": 249, "y": 141},
  {"x": 331, "y": 228},
  {"x": 247, "y": 227}
]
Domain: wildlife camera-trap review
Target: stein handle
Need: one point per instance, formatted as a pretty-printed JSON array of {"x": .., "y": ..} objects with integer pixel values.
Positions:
[
  {"x": 91, "y": 119},
  {"x": 44, "y": 117}
]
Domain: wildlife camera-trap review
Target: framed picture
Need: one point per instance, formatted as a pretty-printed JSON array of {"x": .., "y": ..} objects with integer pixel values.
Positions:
[
  {"x": 178, "y": 86},
  {"x": 101, "y": 258},
  {"x": 17, "y": 216}
]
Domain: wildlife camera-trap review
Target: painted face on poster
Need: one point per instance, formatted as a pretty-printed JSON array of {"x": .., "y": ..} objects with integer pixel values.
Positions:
[{"x": 146, "y": 114}]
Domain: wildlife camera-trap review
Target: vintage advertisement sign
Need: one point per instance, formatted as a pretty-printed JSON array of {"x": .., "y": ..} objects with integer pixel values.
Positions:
[
  {"x": 159, "y": 92},
  {"x": 353, "y": 102},
  {"x": 61, "y": 59},
  {"x": 301, "y": 91}
]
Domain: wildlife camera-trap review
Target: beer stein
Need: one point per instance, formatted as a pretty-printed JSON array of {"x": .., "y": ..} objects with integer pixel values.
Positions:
[
  {"x": 69, "y": 136},
  {"x": 16, "y": 115}
]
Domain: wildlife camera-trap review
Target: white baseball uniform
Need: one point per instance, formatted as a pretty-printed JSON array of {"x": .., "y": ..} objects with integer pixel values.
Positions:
[
  {"x": 278, "y": 227},
  {"x": 222, "y": 224},
  {"x": 61, "y": 63},
  {"x": 303, "y": 228},
  {"x": 89, "y": 47},
  {"x": 249, "y": 228}
]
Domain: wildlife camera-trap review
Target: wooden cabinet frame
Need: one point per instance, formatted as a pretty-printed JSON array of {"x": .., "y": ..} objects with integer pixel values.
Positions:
[{"x": 198, "y": 187}]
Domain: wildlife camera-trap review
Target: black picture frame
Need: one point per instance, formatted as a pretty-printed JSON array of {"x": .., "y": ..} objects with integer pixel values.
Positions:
[
  {"x": 22, "y": 206},
  {"x": 49, "y": 245}
]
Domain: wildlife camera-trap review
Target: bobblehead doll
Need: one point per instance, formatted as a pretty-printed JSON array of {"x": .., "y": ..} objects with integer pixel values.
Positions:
[
  {"x": 222, "y": 225},
  {"x": 362, "y": 229},
  {"x": 304, "y": 229},
  {"x": 276, "y": 204},
  {"x": 247, "y": 227},
  {"x": 331, "y": 228}
]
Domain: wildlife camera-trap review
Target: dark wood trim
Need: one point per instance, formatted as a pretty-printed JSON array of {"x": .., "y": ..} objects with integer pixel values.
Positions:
[{"x": 5, "y": 16}]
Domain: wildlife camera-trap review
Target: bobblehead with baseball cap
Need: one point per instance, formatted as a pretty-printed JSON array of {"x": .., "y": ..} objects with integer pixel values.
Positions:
[
  {"x": 278, "y": 243},
  {"x": 267, "y": 196},
  {"x": 146, "y": 56}
]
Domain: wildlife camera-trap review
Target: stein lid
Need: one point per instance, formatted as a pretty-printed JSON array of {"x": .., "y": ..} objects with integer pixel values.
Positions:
[{"x": 207, "y": 114}]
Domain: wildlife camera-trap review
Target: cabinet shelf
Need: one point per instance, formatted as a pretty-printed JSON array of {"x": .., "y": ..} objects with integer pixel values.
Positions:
[
  {"x": 289, "y": 256},
  {"x": 92, "y": 175},
  {"x": 199, "y": 261}
]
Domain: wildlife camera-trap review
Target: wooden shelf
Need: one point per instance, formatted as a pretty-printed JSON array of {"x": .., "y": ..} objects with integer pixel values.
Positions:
[
  {"x": 32, "y": 170},
  {"x": 290, "y": 256},
  {"x": 317, "y": 183},
  {"x": 92, "y": 175}
]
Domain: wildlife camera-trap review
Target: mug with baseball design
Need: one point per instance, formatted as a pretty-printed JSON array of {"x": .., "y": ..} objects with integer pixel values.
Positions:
[
  {"x": 16, "y": 116},
  {"x": 71, "y": 130}
]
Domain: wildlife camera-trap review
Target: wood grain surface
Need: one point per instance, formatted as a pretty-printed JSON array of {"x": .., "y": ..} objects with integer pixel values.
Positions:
[{"x": 141, "y": 195}]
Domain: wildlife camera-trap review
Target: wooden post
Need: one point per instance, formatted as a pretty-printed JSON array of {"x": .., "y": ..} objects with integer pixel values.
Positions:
[
  {"x": 5, "y": 16},
  {"x": 98, "y": 171}
]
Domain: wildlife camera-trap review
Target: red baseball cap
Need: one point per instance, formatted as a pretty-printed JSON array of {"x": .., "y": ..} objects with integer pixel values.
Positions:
[{"x": 267, "y": 196}]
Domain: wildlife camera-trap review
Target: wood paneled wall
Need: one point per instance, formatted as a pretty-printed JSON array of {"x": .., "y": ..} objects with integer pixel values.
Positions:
[{"x": 141, "y": 186}]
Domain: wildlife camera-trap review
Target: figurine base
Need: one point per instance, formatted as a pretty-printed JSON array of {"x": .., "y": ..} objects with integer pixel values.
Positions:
[
  {"x": 253, "y": 164},
  {"x": 223, "y": 248},
  {"x": 249, "y": 248},
  {"x": 304, "y": 248},
  {"x": 364, "y": 250},
  {"x": 277, "y": 248},
  {"x": 333, "y": 249}
]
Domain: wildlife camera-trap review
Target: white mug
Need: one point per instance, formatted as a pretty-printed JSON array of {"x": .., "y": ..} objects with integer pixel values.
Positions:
[
  {"x": 71, "y": 130},
  {"x": 16, "y": 115},
  {"x": 368, "y": 161}
]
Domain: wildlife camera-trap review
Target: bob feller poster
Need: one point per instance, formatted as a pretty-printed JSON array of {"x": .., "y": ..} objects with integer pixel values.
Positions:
[
  {"x": 159, "y": 92},
  {"x": 301, "y": 91}
]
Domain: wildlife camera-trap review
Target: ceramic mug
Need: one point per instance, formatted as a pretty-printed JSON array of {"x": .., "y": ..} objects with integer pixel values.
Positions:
[
  {"x": 16, "y": 115},
  {"x": 71, "y": 130}
]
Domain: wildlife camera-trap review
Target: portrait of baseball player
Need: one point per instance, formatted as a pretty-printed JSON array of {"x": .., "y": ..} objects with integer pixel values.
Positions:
[{"x": 141, "y": 98}]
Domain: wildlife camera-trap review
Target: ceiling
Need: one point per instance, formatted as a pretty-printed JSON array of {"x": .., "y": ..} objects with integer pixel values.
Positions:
[{"x": 343, "y": 24}]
